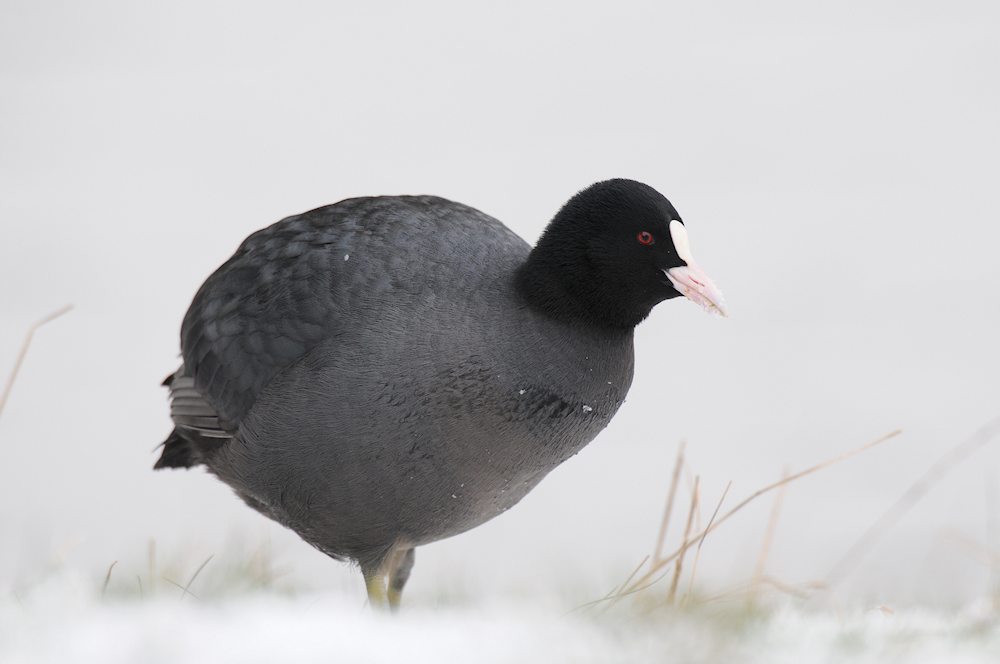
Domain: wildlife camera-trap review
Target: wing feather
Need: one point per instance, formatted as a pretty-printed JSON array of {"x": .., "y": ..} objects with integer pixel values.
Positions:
[{"x": 291, "y": 285}]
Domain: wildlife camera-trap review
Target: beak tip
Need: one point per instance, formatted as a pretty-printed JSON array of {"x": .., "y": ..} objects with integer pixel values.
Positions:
[
  {"x": 691, "y": 282},
  {"x": 718, "y": 308}
]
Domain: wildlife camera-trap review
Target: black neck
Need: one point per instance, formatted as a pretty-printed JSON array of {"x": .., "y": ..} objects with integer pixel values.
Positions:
[{"x": 567, "y": 291}]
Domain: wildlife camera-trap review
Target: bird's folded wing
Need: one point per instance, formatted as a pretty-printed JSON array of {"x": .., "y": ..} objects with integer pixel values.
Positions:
[{"x": 258, "y": 313}]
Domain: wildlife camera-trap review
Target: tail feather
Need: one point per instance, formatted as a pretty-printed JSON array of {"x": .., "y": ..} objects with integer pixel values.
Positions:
[
  {"x": 197, "y": 434},
  {"x": 178, "y": 452}
]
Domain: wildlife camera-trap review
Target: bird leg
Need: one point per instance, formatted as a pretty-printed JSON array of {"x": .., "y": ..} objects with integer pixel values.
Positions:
[
  {"x": 385, "y": 582},
  {"x": 375, "y": 585},
  {"x": 399, "y": 577}
]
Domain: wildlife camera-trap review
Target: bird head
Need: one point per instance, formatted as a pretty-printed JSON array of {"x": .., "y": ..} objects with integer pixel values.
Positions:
[{"x": 612, "y": 253}]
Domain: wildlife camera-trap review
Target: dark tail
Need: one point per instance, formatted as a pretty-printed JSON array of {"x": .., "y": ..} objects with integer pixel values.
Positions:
[{"x": 178, "y": 452}]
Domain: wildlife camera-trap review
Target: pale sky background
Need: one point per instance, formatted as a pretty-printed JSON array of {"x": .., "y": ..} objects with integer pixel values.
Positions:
[{"x": 837, "y": 167}]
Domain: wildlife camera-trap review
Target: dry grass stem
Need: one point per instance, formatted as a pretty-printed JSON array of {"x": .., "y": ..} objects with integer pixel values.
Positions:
[
  {"x": 635, "y": 571},
  {"x": 186, "y": 591},
  {"x": 24, "y": 351},
  {"x": 697, "y": 513},
  {"x": 688, "y": 477},
  {"x": 695, "y": 497},
  {"x": 152, "y": 565},
  {"x": 990, "y": 495},
  {"x": 620, "y": 591},
  {"x": 107, "y": 579},
  {"x": 198, "y": 571},
  {"x": 262, "y": 561},
  {"x": 975, "y": 549},
  {"x": 187, "y": 588},
  {"x": 670, "y": 504},
  {"x": 612, "y": 595},
  {"x": 800, "y": 591},
  {"x": 765, "y": 547},
  {"x": 616, "y": 594},
  {"x": 905, "y": 502},
  {"x": 679, "y": 552},
  {"x": 697, "y": 552}
]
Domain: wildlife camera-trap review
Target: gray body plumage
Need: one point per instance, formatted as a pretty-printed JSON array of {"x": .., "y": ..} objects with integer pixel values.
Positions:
[{"x": 368, "y": 374}]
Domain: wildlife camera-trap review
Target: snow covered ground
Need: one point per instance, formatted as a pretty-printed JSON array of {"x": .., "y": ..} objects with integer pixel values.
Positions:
[{"x": 65, "y": 619}]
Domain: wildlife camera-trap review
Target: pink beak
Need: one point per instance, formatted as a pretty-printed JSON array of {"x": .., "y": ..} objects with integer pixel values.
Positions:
[{"x": 692, "y": 282}]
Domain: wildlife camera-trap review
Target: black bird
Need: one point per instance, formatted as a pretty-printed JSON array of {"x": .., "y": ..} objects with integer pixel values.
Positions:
[{"x": 386, "y": 372}]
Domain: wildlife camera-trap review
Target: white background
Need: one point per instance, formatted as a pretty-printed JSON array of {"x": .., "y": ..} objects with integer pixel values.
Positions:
[{"x": 837, "y": 168}]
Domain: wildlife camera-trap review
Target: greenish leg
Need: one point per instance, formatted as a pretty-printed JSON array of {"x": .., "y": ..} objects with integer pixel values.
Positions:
[
  {"x": 385, "y": 582},
  {"x": 399, "y": 577},
  {"x": 375, "y": 585}
]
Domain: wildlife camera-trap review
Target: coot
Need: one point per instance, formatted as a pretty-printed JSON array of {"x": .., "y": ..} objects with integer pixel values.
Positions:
[{"x": 386, "y": 372}]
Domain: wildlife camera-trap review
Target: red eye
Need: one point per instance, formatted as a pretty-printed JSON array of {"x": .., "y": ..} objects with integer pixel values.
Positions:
[{"x": 645, "y": 237}]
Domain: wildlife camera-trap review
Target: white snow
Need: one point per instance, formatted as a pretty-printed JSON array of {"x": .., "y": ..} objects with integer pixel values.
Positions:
[{"x": 65, "y": 620}]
